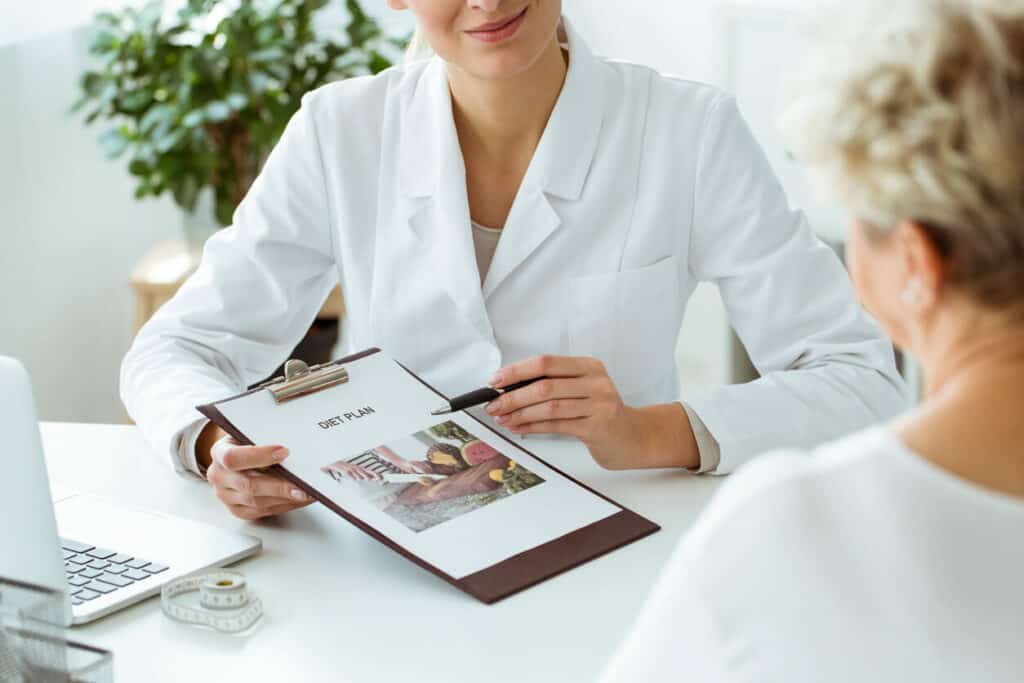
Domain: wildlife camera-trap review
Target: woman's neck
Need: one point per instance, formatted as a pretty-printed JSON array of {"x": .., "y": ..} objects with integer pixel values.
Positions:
[
  {"x": 975, "y": 361},
  {"x": 501, "y": 117},
  {"x": 972, "y": 420}
]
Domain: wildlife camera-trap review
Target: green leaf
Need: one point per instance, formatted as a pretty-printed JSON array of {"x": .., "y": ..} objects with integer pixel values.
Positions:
[
  {"x": 169, "y": 141},
  {"x": 260, "y": 82},
  {"x": 169, "y": 165},
  {"x": 358, "y": 15},
  {"x": 105, "y": 41},
  {"x": 193, "y": 118},
  {"x": 362, "y": 32},
  {"x": 91, "y": 82},
  {"x": 108, "y": 18},
  {"x": 113, "y": 142},
  {"x": 217, "y": 111},
  {"x": 79, "y": 105},
  {"x": 144, "y": 151},
  {"x": 184, "y": 95},
  {"x": 161, "y": 113},
  {"x": 136, "y": 100},
  {"x": 224, "y": 211},
  {"x": 150, "y": 14},
  {"x": 185, "y": 192},
  {"x": 139, "y": 167},
  {"x": 266, "y": 34},
  {"x": 378, "y": 62},
  {"x": 108, "y": 94},
  {"x": 270, "y": 54}
]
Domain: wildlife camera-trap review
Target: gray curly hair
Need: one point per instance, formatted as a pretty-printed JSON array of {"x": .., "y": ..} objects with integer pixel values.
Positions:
[{"x": 918, "y": 114}]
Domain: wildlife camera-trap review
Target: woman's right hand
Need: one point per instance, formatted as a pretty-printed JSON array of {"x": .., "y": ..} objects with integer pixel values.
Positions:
[{"x": 247, "y": 492}]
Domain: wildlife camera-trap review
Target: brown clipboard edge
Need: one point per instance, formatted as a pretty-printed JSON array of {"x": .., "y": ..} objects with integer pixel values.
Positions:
[{"x": 511, "y": 575}]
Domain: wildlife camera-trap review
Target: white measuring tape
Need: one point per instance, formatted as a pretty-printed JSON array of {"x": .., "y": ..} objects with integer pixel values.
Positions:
[{"x": 223, "y": 601}]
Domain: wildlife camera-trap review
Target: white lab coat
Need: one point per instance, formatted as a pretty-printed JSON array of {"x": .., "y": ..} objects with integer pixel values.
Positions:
[{"x": 641, "y": 187}]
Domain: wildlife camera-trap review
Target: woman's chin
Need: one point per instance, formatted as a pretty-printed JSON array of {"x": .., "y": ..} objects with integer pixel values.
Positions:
[{"x": 500, "y": 64}]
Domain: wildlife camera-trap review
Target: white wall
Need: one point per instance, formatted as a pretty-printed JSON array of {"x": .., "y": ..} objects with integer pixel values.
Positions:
[
  {"x": 71, "y": 232},
  {"x": 25, "y": 21}
]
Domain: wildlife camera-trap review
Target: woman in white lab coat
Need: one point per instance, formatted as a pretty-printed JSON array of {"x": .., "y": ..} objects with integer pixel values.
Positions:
[{"x": 614, "y": 191}]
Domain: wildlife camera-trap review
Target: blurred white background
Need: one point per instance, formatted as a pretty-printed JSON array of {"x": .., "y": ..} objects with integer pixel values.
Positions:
[{"x": 72, "y": 232}]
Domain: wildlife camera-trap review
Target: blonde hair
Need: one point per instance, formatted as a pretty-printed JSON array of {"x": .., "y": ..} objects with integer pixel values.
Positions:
[
  {"x": 918, "y": 114},
  {"x": 418, "y": 48}
]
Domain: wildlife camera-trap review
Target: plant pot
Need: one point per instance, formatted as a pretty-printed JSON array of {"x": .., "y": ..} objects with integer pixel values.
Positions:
[{"x": 199, "y": 224}]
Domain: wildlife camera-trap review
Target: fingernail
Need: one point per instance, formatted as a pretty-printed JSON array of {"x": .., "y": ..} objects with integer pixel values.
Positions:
[
  {"x": 298, "y": 495},
  {"x": 495, "y": 380},
  {"x": 501, "y": 419},
  {"x": 491, "y": 407},
  {"x": 279, "y": 454}
]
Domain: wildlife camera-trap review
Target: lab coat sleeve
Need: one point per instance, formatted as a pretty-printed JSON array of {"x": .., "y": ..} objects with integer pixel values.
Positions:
[
  {"x": 707, "y": 446},
  {"x": 259, "y": 286},
  {"x": 826, "y": 369}
]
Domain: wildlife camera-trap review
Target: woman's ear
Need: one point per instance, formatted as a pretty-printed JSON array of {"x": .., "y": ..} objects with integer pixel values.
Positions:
[{"x": 925, "y": 269}]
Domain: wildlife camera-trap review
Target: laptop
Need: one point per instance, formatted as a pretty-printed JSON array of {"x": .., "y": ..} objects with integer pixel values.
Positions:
[{"x": 107, "y": 555}]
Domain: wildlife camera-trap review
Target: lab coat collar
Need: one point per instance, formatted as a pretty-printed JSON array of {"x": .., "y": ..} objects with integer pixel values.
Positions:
[
  {"x": 569, "y": 144},
  {"x": 563, "y": 158},
  {"x": 432, "y": 179},
  {"x": 559, "y": 167}
]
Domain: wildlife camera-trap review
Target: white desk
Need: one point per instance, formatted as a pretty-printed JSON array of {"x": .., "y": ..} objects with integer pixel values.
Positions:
[{"x": 342, "y": 607}]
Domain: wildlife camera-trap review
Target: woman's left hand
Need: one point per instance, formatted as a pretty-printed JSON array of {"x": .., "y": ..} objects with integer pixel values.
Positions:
[{"x": 578, "y": 398}]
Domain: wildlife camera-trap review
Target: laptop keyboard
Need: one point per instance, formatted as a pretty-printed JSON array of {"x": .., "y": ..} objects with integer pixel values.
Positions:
[{"x": 92, "y": 571}]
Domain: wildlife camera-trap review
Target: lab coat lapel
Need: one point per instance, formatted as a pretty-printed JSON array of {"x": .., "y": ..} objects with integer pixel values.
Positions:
[
  {"x": 433, "y": 179},
  {"x": 560, "y": 165},
  {"x": 530, "y": 223}
]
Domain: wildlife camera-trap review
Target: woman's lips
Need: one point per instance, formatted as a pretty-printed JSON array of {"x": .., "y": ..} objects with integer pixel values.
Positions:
[{"x": 495, "y": 32}]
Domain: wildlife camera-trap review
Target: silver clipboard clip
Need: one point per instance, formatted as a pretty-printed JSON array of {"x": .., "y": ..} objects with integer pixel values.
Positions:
[{"x": 300, "y": 379}]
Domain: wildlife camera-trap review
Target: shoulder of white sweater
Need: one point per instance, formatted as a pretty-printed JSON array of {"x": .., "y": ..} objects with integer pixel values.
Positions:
[{"x": 781, "y": 486}]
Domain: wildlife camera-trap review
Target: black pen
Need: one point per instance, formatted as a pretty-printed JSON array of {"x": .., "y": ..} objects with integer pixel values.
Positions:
[{"x": 480, "y": 396}]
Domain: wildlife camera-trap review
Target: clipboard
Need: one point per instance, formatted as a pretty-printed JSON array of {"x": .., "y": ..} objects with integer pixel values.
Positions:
[{"x": 491, "y": 583}]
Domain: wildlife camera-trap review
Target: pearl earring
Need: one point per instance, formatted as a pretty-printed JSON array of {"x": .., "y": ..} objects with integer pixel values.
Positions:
[{"x": 911, "y": 296}]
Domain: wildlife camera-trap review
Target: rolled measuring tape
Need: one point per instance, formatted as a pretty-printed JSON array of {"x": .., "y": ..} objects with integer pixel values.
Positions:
[{"x": 219, "y": 600}]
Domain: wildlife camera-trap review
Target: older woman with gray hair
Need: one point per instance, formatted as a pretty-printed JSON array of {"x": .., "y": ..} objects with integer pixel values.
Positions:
[{"x": 896, "y": 554}]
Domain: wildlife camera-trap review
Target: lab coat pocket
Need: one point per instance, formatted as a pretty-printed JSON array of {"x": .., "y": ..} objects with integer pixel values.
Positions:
[{"x": 627, "y": 319}]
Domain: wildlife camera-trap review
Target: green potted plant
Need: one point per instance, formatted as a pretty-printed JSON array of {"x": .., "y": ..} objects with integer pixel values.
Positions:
[{"x": 197, "y": 98}]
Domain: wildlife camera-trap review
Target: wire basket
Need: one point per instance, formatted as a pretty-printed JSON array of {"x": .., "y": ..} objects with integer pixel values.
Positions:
[{"x": 33, "y": 647}]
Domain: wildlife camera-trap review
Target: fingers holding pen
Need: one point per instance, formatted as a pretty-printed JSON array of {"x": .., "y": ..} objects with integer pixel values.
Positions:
[
  {"x": 575, "y": 396},
  {"x": 565, "y": 393},
  {"x": 542, "y": 366}
]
